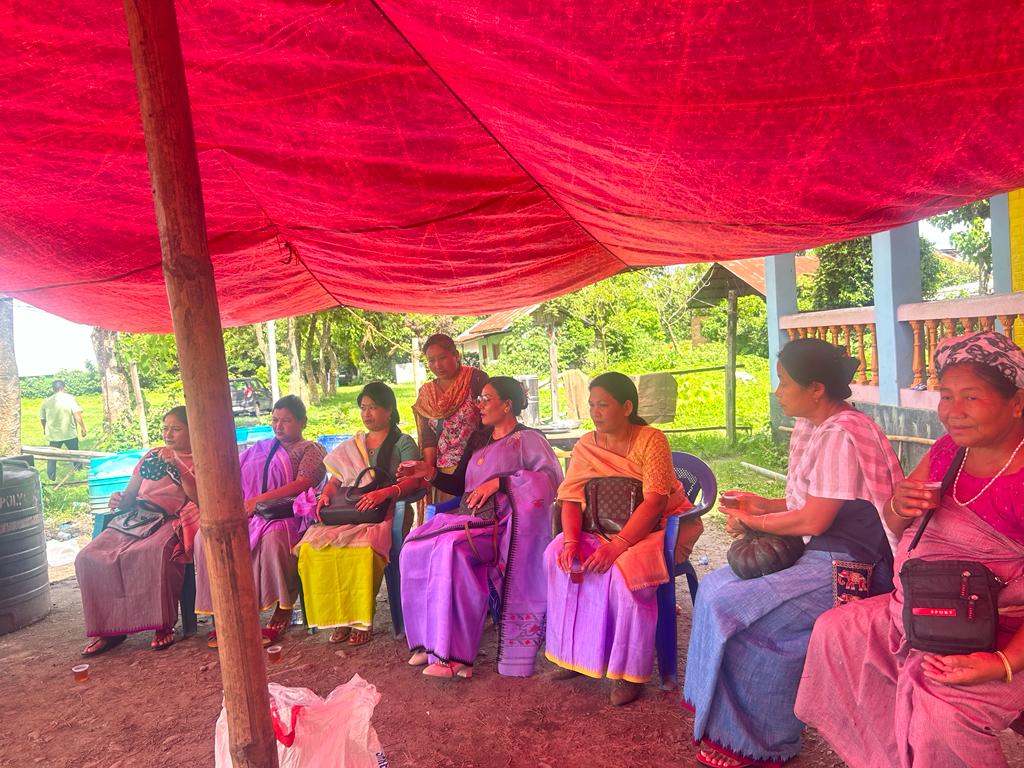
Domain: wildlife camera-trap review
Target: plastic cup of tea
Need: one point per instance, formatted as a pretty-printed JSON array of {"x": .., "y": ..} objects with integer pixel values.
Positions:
[
  {"x": 732, "y": 500},
  {"x": 81, "y": 672},
  {"x": 274, "y": 653},
  {"x": 934, "y": 488},
  {"x": 576, "y": 573}
]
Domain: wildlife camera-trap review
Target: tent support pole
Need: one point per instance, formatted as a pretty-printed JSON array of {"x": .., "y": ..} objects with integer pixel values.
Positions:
[
  {"x": 730, "y": 369},
  {"x": 188, "y": 273}
]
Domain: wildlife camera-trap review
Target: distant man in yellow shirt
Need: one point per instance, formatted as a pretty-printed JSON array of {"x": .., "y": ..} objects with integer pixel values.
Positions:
[{"x": 59, "y": 414}]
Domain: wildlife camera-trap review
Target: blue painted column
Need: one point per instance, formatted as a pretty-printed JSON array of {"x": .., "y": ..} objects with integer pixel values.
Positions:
[
  {"x": 1002, "y": 273},
  {"x": 896, "y": 260},
  {"x": 780, "y": 295}
]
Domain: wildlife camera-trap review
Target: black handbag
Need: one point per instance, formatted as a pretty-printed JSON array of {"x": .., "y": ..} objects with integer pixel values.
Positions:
[
  {"x": 342, "y": 510},
  {"x": 486, "y": 511},
  {"x": 949, "y": 606},
  {"x": 610, "y": 502},
  {"x": 140, "y": 520},
  {"x": 276, "y": 509}
]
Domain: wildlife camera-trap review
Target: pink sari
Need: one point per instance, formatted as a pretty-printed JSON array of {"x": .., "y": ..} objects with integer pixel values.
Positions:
[{"x": 864, "y": 690}]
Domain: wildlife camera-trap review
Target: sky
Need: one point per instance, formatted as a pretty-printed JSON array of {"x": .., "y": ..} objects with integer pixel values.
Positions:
[{"x": 45, "y": 343}]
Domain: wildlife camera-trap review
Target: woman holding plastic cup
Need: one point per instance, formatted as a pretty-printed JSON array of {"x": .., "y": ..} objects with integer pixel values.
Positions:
[{"x": 749, "y": 636}]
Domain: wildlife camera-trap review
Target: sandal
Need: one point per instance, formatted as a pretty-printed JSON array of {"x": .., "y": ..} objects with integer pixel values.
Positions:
[
  {"x": 359, "y": 637},
  {"x": 418, "y": 659},
  {"x": 162, "y": 640},
  {"x": 280, "y": 620},
  {"x": 448, "y": 670},
  {"x": 102, "y": 645},
  {"x": 211, "y": 639},
  {"x": 340, "y": 635},
  {"x": 268, "y": 636},
  {"x": 713, "y": 758}
]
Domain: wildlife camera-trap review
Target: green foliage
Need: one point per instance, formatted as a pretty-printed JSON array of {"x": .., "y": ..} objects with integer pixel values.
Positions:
[
  {"x": 155, "y": 354},
  {"x": 751, "y": 325},
  {"x": 845, "y": 277},
  {"x": 970, "y": 238},
  {"x": 78, "y": 383}
]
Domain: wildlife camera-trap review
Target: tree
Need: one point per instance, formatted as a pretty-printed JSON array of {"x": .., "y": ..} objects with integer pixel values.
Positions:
[
  {"x": 845, "y": 275},
  {"x": 117, "y": 408},
  {"x": 10, "y": 386},
  {"x": 973, "y": 242}
]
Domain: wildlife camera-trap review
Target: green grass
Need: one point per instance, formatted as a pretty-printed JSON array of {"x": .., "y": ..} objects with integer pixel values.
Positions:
[{"x": 701, "y": 403}]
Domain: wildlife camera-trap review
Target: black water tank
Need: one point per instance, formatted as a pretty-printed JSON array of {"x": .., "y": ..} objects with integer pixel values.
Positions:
[{"x": 24, "y": 579}]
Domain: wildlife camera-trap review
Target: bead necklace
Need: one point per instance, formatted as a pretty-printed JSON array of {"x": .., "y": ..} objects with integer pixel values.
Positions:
[{"x": 988, "y": 485}]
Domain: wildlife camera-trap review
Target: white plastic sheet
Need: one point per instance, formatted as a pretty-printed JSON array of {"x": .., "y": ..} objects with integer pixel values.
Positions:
[{"x": 318, "y": 733}]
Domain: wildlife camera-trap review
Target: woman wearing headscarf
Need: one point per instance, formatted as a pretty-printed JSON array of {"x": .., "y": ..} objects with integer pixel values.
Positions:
[
  {"x": 880, "y": 702},
  {"x": 602, "y": 623},
  {"x": 446, "y": 407},
  {"x": 454, "y": 565},
  {"x": 749, "y": 637},
  {"x": 132, "y": 584}
]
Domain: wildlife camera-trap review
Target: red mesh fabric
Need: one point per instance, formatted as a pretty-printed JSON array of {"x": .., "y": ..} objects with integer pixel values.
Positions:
[{"x": 466, "y": 156}]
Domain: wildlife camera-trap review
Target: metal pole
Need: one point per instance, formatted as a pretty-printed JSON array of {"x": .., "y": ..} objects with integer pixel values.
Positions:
[{"x": 188, "y": 273}]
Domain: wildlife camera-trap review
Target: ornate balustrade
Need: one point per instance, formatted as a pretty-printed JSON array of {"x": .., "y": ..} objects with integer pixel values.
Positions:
[
  {"x": 852, "y": 329},
  {"x": 933, "y": 321}
]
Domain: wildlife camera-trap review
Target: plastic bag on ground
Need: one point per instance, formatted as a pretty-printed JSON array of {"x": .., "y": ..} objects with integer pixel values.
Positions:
[{"x": 318, "y": 733}]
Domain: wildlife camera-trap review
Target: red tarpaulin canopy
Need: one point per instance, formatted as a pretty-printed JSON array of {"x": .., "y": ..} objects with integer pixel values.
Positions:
[{"x": 459, "y": 156}]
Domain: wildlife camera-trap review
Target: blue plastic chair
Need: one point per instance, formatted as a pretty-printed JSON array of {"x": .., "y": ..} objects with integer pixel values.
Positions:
[{"x": 698, "y": 483}]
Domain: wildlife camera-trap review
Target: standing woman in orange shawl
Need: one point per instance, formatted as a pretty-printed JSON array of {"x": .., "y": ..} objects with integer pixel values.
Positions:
[{"x": 446, "y": 409}]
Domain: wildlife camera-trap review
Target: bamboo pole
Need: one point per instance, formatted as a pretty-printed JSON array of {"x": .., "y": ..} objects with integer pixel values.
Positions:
[
  {"x": 730, "y": 368},
  {"x": 275, "y": 387},
  {"x": 137, "y": 389},
  {"x": 188, "y": 273}
]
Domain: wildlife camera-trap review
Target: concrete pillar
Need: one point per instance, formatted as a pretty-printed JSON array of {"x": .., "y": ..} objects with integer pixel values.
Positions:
[
  {"x": 1002, "y": 272},
  {"x": 896, "y": 261},
  {"x": 780, "y": 295}
]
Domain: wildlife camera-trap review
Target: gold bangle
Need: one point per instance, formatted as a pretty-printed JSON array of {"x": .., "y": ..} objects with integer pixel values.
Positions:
[
  {"x": 623, "y": 539},
  {"x": 1006, "y": 666},
  {"x": 892, "y": 508}
]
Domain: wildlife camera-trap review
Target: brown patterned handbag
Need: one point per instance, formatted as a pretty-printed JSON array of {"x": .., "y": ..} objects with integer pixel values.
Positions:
[{"x": 610, "y": 502}]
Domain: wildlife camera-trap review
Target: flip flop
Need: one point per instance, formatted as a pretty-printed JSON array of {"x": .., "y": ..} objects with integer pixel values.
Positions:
[
  {"x": 167, "y": 642},
  {"x": 102, "y": 645}
]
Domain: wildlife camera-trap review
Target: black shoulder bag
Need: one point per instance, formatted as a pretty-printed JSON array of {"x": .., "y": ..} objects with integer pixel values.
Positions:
[
  {"x": 275, "y": 509},
  {"x": 342, "y": 509},
  {"x": 949, "y": 606},
  {"x": 139, "y": 521}
]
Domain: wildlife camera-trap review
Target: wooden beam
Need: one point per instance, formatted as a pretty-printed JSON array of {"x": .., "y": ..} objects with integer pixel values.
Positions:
[{"x": 188, "y": 272}]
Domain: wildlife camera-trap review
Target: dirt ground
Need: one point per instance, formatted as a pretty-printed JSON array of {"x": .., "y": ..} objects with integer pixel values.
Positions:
[{"x": 145, "y": 708}]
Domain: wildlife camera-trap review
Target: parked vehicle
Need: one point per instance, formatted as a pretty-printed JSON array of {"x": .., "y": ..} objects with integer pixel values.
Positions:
[{"x": 250, "y": 396}]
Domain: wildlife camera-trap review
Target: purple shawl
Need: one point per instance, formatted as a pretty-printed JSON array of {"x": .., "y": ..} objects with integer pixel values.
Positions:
[{"x": 252, "y": 461}]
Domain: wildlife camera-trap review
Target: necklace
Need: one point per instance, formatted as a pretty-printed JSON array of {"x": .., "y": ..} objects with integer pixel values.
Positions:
[{"x": 988, "y": 485}]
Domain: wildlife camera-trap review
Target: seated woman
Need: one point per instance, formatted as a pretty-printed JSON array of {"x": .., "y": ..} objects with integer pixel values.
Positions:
[
  {"x": 451, "y": 564},
  {"x": 133, "y": 584},
  {"x": 341, "y": 566},
  {"x": 284, "y": 465},
  {"x": 603, "y": 626},
  {"x": 749, "y": 637},
  {"x": 446, "y": 408},
  {"x": 876, "y": 700}
]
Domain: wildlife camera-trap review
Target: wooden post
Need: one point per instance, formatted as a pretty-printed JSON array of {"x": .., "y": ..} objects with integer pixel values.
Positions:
[
  {"x": 143, "y": 427},
  {"x": 188, "y": 272},
  {"x": 553, "y": 369},
  {"x": 415, "y": 357},
  {"x": 730, "y": 369},
  {"x": 275, "y": 388}
]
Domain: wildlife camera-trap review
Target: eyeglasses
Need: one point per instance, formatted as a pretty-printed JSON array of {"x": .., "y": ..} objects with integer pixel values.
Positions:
[{"x": 481, "y": 399}]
